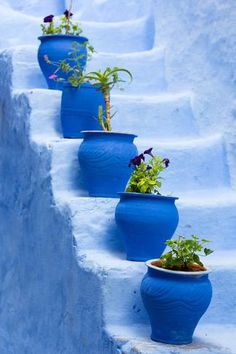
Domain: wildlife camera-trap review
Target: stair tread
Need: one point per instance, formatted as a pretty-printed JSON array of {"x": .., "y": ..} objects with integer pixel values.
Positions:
[
  {"x": 112, "y": 24},
  {"x": 94, "y": 30},
  {"x": 203, "y": 141},
  {"x": 209, "y": 198},
  {"x": 210, "y": 338},
  {"x": 158, "y": 97},
  {"x": 19, "y": 50},
  {"x": 116, "y": 261}
]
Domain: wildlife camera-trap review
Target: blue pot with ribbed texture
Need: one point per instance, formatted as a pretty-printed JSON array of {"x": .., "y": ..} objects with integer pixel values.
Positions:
[
  {"x": 59, "y": 47},
  {"x": 79, "y": 109},
  {"x": 175, "y": 302},
  {"x": 104, "y": 158},
  {"x": 145, "y": 222}
]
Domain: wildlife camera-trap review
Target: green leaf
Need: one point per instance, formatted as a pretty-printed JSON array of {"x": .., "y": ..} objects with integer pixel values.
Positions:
[{"x": 207, "y": 251}]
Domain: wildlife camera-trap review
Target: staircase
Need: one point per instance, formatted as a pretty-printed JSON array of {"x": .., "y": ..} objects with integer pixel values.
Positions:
[{"x": 65, "y": 284}]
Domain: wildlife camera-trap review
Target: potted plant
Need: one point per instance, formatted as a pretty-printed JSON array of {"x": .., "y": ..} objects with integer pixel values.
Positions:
[
  {"x": 56, "y": 44},
  {"x": 176, "y": 291},
  {"x": 104, "y": 155},
  {"x": 80, "y": 99},
  {"x": 144, "y": 217}
]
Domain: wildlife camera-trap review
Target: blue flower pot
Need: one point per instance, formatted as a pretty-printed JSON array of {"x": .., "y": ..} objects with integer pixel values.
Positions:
[
  {"x": 104, "y": 158},
  {"x": 58, "y": 47},
  {"x": 145, "y": 222},
  {"x": 79, "y": 109},
  {"x": 175, "y": 302}
]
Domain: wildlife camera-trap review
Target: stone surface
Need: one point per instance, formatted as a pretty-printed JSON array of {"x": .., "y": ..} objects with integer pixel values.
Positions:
[{"x": 65, "y": 284}]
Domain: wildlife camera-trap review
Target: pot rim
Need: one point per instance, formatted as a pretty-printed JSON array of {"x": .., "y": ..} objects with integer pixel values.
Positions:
[
  {"x": 147, "y": 195},
  {"x": 62, "y": 36},
  {"x": 84, "y": 132},
  {"x": 177, "y": 272}
]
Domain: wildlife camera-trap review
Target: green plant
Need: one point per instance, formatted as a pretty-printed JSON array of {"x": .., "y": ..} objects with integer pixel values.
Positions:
[
  {"x": 105, "y": 81},
  {"x": 64, "y": 26},
  {"x": 184, "y": 254},
  {"x": 146, "y": 175},
  {"x": 71, "y": 65}
]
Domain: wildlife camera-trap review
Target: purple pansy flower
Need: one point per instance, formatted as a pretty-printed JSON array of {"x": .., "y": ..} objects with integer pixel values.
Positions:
[
  {"x": 166, "y": 162},
  {"x": 136, "y": 161},
  {"x": 148, "y": 152},
  {"x": 48, "y": 19},
  {"x": 66, "y": 13}
]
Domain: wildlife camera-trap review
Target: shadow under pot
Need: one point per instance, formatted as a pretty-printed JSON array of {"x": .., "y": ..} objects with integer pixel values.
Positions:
[
  {"x": 79, "y": 109},
  {"x": 59, "y": 47},
  {"x": 104, "y": 158},
  {"x": 145, "y": 222},
  {"x": 175, "y": 302}
]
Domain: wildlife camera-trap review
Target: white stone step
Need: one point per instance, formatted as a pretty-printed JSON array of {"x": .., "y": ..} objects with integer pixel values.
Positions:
[
  {"x": 213, "y": 221},
  {"x": 108, "y": 275},
  {"x": 45, "y": 112},
  {"x": 25, "y": 30},
  {"x": 155, "y": 117},
  {"x": 208, "y": 212},
  {"x": 121, "y": 281},
  {"x": 197, "y": 163},
  {"x": 160, "y": 116},
  {"x": 128, "y": 36},
  {"x": 24, "y": 71},
  {"x": 111, "y": 11},
  {"x": 121, "y": 37},
  {"x": 35, "y": 7},
  {"x": 27, "y": 74},
  {"x": 208, "y": 339},
  {"x": 211, "y": 214},
  {"x": 180, "y": 177},
  {"x": 147, "y": 68}
]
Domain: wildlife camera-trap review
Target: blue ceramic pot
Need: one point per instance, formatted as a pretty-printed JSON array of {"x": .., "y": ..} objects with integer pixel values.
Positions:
[
  {"x": 175, "y": 302},
  {"x": 58, "y": 47},
  {"x": 79, "y": 109},
  {"x": 104, "y": 158},
  {"x": 145, "y": 222}
]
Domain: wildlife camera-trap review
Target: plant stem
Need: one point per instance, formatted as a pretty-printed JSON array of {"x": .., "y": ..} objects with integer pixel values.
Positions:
[
  {"x": 68, "y": 18},
  {"x": 107, "y": 99}
]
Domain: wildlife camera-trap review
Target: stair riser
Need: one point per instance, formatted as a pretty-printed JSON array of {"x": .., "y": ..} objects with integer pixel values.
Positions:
[
  {"x": 39, "y": 7},
  {"x": 27, "y": 73},
  {"x": 155, "y": 120},
  {"x": 97, "y": 217},
  {"x": 216, "y": 223},
  {"x": 131, "y": 310},
  {"x": 148, "y": 70},
  {"x": 115, "y": 11},
  {"x": 128, "y": 37},
  {"x": 181, "y": 177}
]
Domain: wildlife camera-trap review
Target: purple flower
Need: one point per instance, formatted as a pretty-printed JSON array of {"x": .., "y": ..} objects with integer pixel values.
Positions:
[
  {"x": 148, "y": 152},
  {"x": 48, "y": 19},
  {"x": 166, "y": 162},
  {"x": 66, "y": 13},
  {"x": 136, "y": 161}
]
